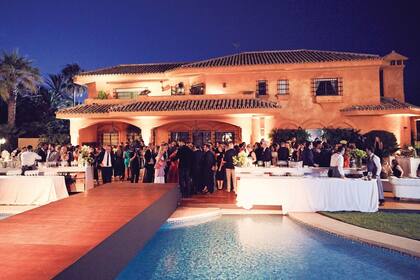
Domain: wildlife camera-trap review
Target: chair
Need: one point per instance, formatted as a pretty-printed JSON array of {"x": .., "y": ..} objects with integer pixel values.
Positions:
[
  {"x": 14, "y": 173},
  {"x": 31, "y": 173}
]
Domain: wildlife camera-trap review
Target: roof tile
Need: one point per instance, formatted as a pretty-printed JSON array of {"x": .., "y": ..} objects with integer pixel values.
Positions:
[{"x": 386, "y": 104}]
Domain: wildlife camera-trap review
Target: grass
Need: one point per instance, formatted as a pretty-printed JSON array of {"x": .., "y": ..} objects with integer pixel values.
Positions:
[{"x": 401, "y": 224}]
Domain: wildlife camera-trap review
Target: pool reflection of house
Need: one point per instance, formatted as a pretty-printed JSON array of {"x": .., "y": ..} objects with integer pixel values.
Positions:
[{"x": 242, "y": 97}]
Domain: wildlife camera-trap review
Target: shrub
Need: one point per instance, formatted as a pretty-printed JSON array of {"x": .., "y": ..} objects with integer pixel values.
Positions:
[
  {"x": 388, "y": 139},
  {"x": 350, "y": 135},
  {"x": 102, "y": 95},
  {"x": 278, "y": 135}
]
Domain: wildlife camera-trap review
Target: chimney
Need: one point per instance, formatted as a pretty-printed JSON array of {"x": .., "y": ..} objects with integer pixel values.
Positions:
[{"x": 393, "y": 76}]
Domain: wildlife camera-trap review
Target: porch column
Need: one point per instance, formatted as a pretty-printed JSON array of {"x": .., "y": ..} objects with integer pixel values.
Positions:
[
  {"x": 268, "y": 126},
  {"x": 74, "y": 131},
  {"x": 256, "y": 129}
]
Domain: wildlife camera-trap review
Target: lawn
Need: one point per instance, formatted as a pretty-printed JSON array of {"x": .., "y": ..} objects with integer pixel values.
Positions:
[{"x": 402, "y": 224}]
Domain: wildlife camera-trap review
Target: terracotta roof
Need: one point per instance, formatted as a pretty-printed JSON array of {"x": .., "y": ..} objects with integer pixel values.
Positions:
[
  {"x": 280, "y": 57},
  {"x": 172, "y": 105},
  {"x": 134, "y": 69},
  {"x": 386, "y": 104}
]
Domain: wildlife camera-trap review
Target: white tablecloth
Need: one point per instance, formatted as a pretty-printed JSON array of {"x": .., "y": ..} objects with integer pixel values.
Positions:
[
  {"x": 31, "y": 190},
  {"x": 308, "y": 194},
  {"x": 295, "y": 171}
]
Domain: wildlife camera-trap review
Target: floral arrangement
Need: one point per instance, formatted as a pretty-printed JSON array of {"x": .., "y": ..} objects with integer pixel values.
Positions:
[
  {"x": 358, "y": 154},
  {"x": 84, "y": 156},
  {"x": 343, "y": 142},
  {"x": 241, "y": 159}
]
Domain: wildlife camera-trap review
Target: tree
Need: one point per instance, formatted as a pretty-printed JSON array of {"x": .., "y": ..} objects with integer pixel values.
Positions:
[
  {"x": 57, "y": 91},
  {"x": 69, "y": 72},
  {"x": 390, "y": 144},
  {"x": 335, "y": 135},
  {"x": 17, "y": 75},
  {"x": 278, "y": 135}
]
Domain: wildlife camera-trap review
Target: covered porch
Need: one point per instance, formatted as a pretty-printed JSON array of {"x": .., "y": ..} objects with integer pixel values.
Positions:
[{"x": 157, "y": 120}]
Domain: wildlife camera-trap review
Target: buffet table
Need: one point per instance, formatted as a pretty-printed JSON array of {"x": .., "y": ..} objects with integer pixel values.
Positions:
[
  {"x": 307, "y": 194},
  {"x": 31, "y": 190}
]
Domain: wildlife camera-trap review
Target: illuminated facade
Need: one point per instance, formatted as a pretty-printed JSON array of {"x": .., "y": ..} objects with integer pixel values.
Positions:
[{"x": 242, "y": 97}]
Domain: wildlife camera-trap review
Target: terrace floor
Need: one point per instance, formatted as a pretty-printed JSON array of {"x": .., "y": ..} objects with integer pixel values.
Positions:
[{"x": 42, "y": 242}]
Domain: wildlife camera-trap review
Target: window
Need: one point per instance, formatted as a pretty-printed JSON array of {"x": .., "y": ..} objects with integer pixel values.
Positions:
[
  {"x": 197, "y": 89},
  {"x": 110, "y": 138},
  {"x": 201, "y": 137},
  {"x": 130, "y": 93},
  {"x": 180, "y": 135},
  {"x": 178, "y": 89},
  {"x": 224, "y": 137},
  {"x": 283, "y": 87},
  {"x": 261, "y": 87},
  {"x": 327, "y": 87}
]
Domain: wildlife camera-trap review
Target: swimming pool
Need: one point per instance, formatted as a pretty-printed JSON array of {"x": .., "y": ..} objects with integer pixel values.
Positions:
[{"x": 263, "y": 247}]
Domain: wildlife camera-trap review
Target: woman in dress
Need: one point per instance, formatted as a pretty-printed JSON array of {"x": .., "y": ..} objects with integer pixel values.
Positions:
[
  {"x": 160, "y": 165},
  {"x": 127, "y": 156},
  {"x": 173, "y": 168},
  {"x": 397, "y": 171},
  {"x": 274, "y": 154},
  {"x": 220, "y": 171},
  {"x": 119, "y": 163}
]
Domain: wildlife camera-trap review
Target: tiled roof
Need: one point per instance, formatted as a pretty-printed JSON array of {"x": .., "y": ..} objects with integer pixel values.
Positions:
[
  {"x": 173, "y": 105},
  {"x": 280, "y": 57},
  {"x": 386, "y": 104},
  {"x": 134, "y": 69}
]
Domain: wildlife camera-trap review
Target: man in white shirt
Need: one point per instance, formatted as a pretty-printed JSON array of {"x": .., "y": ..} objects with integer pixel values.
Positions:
[
  {"x": 105, "y": 160},
  {"x": 337, "y": 164},
  {"x": 374, "y": 166},
  {"x": 28, "y": 159}
]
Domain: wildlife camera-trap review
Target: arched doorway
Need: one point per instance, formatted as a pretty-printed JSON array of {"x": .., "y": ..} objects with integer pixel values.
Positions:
[
  {"x": 198, "y": 132},
  {"x": 109, "y": 133}
]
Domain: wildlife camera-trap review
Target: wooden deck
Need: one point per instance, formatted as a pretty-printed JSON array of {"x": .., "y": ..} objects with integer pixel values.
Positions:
[
  {"x": 219, "y": 199},
  {"x": 42, "y": 242}
]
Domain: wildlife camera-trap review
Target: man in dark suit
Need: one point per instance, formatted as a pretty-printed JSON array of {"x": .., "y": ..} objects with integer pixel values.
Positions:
[
  {"x": 208, "y": 165},
  {"x": 42, "y": 152},
  {"x": 106, "y": 163},
  {"x": 196, "y": 170},
  {"x": 185, "y": 156}
]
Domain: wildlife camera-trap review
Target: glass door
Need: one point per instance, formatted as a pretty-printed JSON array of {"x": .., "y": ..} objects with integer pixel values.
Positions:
[{"x": 201, "y": 137}]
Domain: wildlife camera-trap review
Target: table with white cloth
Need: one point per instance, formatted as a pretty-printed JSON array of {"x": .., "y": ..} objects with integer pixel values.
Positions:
[
  {"x": 307, "y": 194},
  {"x": 31, "y": 190}
]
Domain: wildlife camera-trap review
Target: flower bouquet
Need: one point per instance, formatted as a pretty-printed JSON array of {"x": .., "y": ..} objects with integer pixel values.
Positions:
[
  {"x": 240, "y": 160},
  {"x": 85, "y": 158},
  {"x": 358, "y": 155}
]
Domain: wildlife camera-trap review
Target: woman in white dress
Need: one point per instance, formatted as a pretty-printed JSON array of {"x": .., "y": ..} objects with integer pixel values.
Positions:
[{"x": 160, "y": 165}]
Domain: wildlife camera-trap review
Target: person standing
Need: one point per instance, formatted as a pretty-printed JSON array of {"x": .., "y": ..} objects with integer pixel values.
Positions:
[
  {"x": 172, "y": 176},
  {"x": 28, "y": 159},
  {"x": 374, "y": 166},
  {"x": 105, "y": 160},
  {"x": 196, "y": 170},
  {"x": 127, "y": 157},
  {"x": 149, "y": 165},
  {"x": 220, "y": 169},
  {"x": 160, "y": 165},
  {"x": 307, "y": 155},
  {"x": 134, "y": 165},
  {"x": 42, "y": 152},
  {"x": 119, "y": 163},
  {"x": 209, "y": 162},
  {"x": 184, "y": 155},
  {"x": 337, "y": 164},
  {"x": 230, "y": 168}
]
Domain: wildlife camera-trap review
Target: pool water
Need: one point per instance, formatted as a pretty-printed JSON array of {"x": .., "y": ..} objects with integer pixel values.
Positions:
[{"x": 263, "y": 247}]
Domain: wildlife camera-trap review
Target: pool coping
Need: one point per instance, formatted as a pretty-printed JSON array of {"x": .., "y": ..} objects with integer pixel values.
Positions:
[{"x": 380, "y": 239}]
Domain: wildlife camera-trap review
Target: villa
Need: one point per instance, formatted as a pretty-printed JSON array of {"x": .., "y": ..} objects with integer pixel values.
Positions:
[{"x": 242, "y": 97}]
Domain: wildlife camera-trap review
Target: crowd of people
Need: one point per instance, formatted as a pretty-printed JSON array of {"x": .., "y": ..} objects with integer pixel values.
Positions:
[{"x": 203, "y": 169}]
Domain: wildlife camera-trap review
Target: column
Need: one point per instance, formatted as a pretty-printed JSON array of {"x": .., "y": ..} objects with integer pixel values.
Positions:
[
  {"x": 256, "y": 129},
  {"x": 74, "y": 131}
]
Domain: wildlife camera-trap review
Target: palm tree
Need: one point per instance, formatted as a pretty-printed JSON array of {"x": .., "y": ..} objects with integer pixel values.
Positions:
[
  {"x": 17, "y": 75},
  {"x": 68, "y": 72},
  {"x": 57, "y": 91}
]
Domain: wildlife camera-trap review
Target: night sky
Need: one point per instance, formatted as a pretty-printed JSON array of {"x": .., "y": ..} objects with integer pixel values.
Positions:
[{"x": 104, "y": 32}]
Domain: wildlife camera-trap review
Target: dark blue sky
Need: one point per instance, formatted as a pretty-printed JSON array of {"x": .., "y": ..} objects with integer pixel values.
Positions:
[{"x": 108, "y": 32}]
